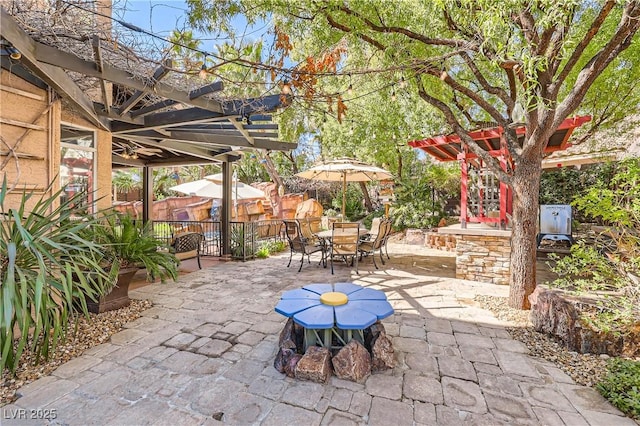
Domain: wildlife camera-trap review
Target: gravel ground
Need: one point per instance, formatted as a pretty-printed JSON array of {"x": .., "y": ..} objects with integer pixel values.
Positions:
[
  {"x": 584, "y": 369},
  {"x": 91, "y": 332}
]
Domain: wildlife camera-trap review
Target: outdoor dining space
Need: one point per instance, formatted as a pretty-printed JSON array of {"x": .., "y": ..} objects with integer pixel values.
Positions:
[{"x": 348, "y": 242}]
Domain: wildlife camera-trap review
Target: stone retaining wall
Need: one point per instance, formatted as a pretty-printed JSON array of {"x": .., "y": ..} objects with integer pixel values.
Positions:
[
  {"x": 430, "y": 239},
  {"x": 483, "y": 258}
]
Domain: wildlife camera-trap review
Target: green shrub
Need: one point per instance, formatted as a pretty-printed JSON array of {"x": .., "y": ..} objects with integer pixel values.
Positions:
[
  {"x": 270, "y": 247},
  {"x": 43, "y": 255},
  {"x": 263, "y": 252},
  {"x": 621, "y": 386}
]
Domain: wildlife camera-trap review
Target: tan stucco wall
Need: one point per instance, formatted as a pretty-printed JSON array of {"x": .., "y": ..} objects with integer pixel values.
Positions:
[
  {"x": 37, "y": 173},
  {"x": 27, "y": 107}
]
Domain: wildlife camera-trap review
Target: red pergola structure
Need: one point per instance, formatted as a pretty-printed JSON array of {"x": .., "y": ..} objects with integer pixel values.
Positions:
[{"x": 481, "y": 195}]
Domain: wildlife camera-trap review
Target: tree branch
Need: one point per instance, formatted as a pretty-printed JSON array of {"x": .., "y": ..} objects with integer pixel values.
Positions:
[
  {"x": 408, "y": 33},
  {"x": 474, "y": 96},
  {"x": 497, "y": 91},
  {"x": 621, "y": 39},
  {"x": 333, "y": 23},
  {"x": 579, "y": 49},
  {"x": 493, "y": 163}
]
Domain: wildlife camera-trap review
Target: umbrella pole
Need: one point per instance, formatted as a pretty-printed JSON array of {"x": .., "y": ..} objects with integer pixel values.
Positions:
[{"x": 344, "y": 196}]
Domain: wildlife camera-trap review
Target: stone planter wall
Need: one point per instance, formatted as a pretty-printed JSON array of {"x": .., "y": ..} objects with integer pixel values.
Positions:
[
  {"x": 483, "y": 258},
  {"x": 430, "y": 239}
]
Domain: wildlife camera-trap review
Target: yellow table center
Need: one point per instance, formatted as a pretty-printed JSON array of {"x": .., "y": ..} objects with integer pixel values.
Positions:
[{"x": 334, "y": 298}]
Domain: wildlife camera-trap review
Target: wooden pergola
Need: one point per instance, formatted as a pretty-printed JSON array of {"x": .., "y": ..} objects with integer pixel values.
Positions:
[
  {"x": 489, "y": 200},
  {"x": 154, "y": 124}
]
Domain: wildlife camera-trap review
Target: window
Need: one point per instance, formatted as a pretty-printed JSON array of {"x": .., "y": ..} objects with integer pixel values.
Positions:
[{"x": 77, "y": 166}]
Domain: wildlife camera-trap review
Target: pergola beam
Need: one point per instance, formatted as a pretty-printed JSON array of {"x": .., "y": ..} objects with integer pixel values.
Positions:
[
  {"x": 235, "y": 141},
  {"x": 141, "y": 112},
  {"x": 53, "y": 76},
  {"x": 205, "y": 90},
  {"x": 97, "y": 53},
  {"x": 139, "y": 94},
  {"x": 59, "y": 58}
]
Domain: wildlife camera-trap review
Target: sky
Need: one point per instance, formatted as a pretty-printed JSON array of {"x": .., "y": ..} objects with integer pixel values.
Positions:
[{"x": 161, "y": 17}]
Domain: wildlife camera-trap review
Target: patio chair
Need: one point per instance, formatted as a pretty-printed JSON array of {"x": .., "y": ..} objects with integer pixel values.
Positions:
[
  {"x": 375, "y": 229},
  {"x": 344, "y": 242},
  {"x": 298, "y": 243},
  {"x": 186, "y": 245},
  {"x": 387, "y": 234},
  {"x": 369, "y": 247}
]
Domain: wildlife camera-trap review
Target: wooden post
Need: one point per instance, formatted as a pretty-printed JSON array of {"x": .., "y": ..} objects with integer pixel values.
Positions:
[
  {"x": 147, "y": 193},
  {"x": 226, "y": 206}
]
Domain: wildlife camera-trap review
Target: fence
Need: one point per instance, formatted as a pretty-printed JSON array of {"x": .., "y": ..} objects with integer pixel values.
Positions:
[{"x": 245, "y": 236}]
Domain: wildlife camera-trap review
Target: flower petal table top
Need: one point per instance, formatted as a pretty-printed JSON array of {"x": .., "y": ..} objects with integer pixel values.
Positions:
[{"x": 347, "y": 306}]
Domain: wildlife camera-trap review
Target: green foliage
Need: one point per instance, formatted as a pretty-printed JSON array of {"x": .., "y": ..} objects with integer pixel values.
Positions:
[
  {"x": 621, "y": 386},
  {"x": 132, "y": 244},
  {"x": 243, "y": 237},
  {"x": 354, "y": 208},
  {"x": 608, "y": 268},
  {"x": 616, "y": 201},
  {"x": 586, "y": 270},
  {"x": 420, "y": 200},
  {"x": 42, "y": 251},
  {"x": 263, "y": 252}
]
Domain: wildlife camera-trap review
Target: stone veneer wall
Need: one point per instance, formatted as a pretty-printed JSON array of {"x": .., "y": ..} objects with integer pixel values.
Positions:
[{"x": 483, "y": 258}]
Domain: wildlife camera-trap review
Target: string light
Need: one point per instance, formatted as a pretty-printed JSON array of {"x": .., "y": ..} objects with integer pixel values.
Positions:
[
  {"x": 350, "y": 89},
  {"x": 402, "y": 83},
  {"x": 203, "y": 71},
  {"x": 286, "y": 87},
  {"x": 393, "y": 94}
]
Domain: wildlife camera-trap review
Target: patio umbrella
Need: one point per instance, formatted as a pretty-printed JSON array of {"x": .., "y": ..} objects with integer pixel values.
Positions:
[
  {"x": 345, "y": 170},
  {"x": 209, "y": 189}
]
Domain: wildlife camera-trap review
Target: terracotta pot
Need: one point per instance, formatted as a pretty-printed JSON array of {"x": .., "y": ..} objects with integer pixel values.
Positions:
[{"x": 119, "y": 295}]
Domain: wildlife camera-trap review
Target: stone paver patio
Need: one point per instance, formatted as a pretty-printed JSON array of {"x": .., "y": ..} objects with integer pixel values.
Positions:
[{"x": 204, "y": 355}]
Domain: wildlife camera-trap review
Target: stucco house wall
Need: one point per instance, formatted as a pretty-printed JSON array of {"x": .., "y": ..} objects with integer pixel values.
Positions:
[{"x": 24, "y": 106}]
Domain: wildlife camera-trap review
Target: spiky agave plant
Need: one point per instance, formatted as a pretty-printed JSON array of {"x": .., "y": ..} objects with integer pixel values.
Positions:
[
  {"x": 132, "y": 244},
  {"x": 43, "y": 257}
]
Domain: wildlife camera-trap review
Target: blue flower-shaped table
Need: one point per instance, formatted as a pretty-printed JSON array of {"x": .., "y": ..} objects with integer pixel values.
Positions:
[{"x": 338, "y": 309}]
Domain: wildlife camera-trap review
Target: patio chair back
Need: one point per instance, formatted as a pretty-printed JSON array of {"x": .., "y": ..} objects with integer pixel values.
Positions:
[
  {"x": 375, "y": 226},
  {"x": 369, "y": 247},
  {"x": 298, "y": 243},
  {"x": 294, "y": 236},
  {"x": 187, "y": 245},
  {"x": 344, "y": 241},
  {"x": 305, "y": 229}
]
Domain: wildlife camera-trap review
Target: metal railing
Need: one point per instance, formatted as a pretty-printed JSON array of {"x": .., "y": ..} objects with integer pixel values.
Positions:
[{"x": 246, "y": 237}]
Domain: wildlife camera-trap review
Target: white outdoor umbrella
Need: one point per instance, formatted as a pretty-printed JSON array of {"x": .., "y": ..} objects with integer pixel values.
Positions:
[
  {"x": 209, "y": 189},
  {"x": 345, "y": 170}
]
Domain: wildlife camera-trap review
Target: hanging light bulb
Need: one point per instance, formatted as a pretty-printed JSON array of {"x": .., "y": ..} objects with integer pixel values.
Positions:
[
  {"x": 393, "y": 95},
  {"x": 350, "y": 89},
  {"x": 203, "y": 71},
  {"x": 14, "y": 53},
  {"x": 402, "y": 83},
  {"x": 286, "y": 87}
]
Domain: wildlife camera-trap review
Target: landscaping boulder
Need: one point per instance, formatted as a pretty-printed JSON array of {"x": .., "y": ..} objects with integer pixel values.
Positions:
[
  {"x": 558, "y": 313},
  {"x": 382, "y": 354},
  {"x": 291, "y": 365},
  {"x": 352, "y": 362},
  {"x": 314, "y": 365}
]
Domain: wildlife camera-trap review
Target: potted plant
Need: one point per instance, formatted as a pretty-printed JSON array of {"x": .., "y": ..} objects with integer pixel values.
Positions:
[
  {"x": 42, "y": 249},
  {"x": 130, "y": 245}
]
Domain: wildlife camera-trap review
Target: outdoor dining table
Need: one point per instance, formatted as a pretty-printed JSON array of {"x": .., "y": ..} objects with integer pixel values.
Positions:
[
  {"x": 326, "y": 236},
  {"x": 334, "y": 310}
]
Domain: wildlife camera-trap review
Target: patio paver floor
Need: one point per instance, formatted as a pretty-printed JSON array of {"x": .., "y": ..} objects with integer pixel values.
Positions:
[{"x": 205, "y": 352}]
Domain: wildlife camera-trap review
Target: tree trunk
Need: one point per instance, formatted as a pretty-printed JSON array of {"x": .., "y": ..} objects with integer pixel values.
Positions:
[
  {"x": 367, "y": 200},
  {"x": 275, "y": 177},
  {"x": 526, "y": 184}
]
